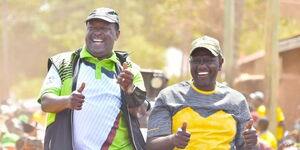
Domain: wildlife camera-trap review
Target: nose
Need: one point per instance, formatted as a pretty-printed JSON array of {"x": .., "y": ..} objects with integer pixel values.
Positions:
[
  {"x": 98, "y": 32},
  {"x": 202, "y": 66}
]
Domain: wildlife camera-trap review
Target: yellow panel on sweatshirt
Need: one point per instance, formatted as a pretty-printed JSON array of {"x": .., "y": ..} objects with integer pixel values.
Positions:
[{"x": 212, "y": 133}]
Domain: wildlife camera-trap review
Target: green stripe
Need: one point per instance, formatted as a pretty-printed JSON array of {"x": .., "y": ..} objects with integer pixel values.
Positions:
[{"x": 64, "y": 69}]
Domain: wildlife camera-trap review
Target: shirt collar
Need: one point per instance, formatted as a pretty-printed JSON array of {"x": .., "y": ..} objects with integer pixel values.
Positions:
[
  {"x": 85, "y": 54},
  {"x": 108, "y": 63},
  {"x": 201, "y": 91}
]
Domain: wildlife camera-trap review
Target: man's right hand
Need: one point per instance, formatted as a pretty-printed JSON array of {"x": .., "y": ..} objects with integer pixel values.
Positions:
[
  {"x": 76, "y": 99},
  {"x": 250, "y": 136},
  {"x": 182, "y": 137}
]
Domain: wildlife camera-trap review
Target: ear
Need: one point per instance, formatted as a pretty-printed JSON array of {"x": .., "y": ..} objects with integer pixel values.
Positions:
[
  {"x": 117, "y": 35},
  {"x": 221, "y": 61}
]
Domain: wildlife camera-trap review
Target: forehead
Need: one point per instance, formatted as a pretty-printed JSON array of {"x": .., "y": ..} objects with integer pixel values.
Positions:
[{"x": 198, "y": 52}]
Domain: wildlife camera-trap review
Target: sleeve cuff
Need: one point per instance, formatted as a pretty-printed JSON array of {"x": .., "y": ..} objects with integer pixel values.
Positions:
[
  {"x": 48, "y": 90},
  {"x": 135, "y": 99}
]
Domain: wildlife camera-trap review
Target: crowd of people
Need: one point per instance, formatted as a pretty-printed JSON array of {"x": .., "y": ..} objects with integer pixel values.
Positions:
[
  {"x": 283, "y": 139},
  {"x": 21, "y": 129}
]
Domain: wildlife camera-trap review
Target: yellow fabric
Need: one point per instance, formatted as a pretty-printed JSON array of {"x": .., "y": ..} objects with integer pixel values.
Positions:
[
  {"x": 39, "y": 117},
  {"x": 261, "y": 110},
  {"x": 206, "y": 133},
  {"x": 202, "y": 92},
  {"x": 269, "y": 138}
]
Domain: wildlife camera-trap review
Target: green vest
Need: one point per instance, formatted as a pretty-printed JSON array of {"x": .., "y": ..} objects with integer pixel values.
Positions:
[{"x": 67, "y": 65}]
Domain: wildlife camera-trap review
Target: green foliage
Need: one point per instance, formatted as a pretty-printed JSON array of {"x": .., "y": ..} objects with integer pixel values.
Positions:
[
  {"x": 41, "y": 28},
  {"x": 175, "y": 79},
  {"x": 252, "y": 35},
  {"x": 288, "y": 27},
  {"x": 147, "y": 55},
  {"x": 251, "y": 41}
]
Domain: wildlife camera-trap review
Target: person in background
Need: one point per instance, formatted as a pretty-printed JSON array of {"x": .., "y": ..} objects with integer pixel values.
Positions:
[
  {"x": 288, "y": 144},
  {"x": 26, "y": 143},
  {"x": 264, "y": 134},
  {"x": 258, "y": 100},
  {"x": 263, "y": 145},
  {"x": 94, "y": 95},
  {"x": 9, "y": 140},
  {"x": 201, "y": 113}
]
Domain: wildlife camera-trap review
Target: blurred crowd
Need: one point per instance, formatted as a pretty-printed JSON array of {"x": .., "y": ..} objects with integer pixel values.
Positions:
[
  {"x": 284, "y": 139},
  {"x": 21, "y": 128}
]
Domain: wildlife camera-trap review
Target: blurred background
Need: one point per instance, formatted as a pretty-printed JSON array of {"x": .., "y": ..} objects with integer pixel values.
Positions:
[{"x": 159, "y": 34}]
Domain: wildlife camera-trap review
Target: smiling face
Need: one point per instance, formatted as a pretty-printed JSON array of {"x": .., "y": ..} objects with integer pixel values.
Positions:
[
  {"x": 100, "y": 38},
  {"x": 204, "y": 67}
]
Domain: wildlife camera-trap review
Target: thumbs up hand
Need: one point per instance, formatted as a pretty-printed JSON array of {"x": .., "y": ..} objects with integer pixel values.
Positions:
[
  {"x": 182, "y": 137},
  {"x": 125, "y": 79},
  {"x": 249, "y": 134},
  {"x": 76, "y": 99},
  {"x": 81, "y": 88}
]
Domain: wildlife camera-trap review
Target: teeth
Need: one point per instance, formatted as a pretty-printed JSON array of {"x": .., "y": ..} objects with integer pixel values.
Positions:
[
  {"x": 97, "y": 40},
  {"x": 202, "y": 73}
]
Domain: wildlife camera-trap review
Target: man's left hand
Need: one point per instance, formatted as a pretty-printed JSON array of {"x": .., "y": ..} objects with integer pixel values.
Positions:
[
  {"x": 250, "y": 136},
  {"x": 125, "y": 79}
]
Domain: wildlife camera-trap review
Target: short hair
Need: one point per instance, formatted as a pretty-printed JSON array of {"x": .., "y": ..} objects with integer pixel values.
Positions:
[{"x": 263, "y": 123}]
